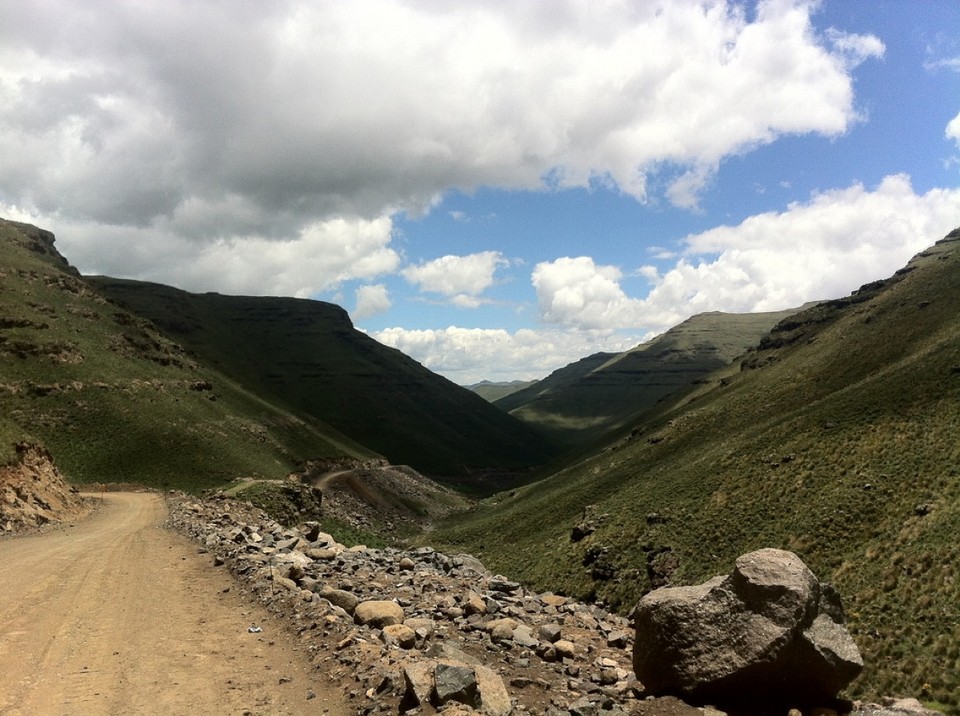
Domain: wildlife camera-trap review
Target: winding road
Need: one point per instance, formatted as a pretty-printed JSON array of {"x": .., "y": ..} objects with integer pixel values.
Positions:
[{"x": 116, "y": 615}]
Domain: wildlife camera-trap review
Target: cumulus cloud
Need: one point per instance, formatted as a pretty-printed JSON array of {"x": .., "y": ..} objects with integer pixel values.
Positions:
[
  {"x": 819, "y": 249},
  {"x": 469, "y": 355},
  {"x": 578, "y": 293},
  {"x": 461, "y": 278},
  {"x": 822, "y": 248},
  {"x": 249, "y": 119},
  {"x": 321, "y": 257},
  {"x": 370, "y": 301}
]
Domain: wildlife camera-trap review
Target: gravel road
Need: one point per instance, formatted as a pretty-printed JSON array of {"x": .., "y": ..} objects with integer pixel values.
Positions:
[{"x": 117, "y": 615}]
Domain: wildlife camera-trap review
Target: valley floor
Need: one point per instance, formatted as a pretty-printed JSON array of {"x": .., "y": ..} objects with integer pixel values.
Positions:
[{"x": 117, "y": 615}]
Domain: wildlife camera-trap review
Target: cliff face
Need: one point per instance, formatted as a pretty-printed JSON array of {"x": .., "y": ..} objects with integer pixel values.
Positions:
[{"x": 33, "y": 492}]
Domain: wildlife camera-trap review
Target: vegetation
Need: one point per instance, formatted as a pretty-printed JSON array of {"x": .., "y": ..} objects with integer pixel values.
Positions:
[
  {"x": 586, "y": 400},
  {"x": 836, "y": 439},
  {"x": 116, "y": 401},
  {"x": 307, "y": 356}
]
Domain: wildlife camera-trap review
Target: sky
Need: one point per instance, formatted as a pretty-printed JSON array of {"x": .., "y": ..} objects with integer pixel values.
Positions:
[{"x": 495, "y": 187}]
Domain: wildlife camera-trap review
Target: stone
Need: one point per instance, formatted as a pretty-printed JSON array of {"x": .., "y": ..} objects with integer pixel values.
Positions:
[
  {"x": 523, "y": 635},
  {"x": 454, "y": 682},
  {"x": 474, "y": 604},
  {"x": 501, "y": 633},
  {"x": 769, "y": 632},
  {"x": 494, "y": 698},
  {"x": 422, "y": 627},
  {"x": 502, "y": 584},
  {"x": 399, "y": 635},
  {"x": 378, "y": 613},
  {"x": 565, "y": 649},
  {"x": 347, "y": 601},
  {"x": 618, "y": 639},
  {"x": 549, "y": 632},
  {"x": 406, "y": 564},
  {"x": 418, "y": 684}
]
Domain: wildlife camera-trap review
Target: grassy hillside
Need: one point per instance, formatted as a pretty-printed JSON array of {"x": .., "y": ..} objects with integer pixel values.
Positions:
[
  {"x": 308, "y": 356},
  {"x": 587, "y": 399},
  {"x": 116, "y": 401},
  {"x": 837, "y": 439}
]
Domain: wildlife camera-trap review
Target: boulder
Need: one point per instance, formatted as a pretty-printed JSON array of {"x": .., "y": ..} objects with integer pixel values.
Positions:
[
  {"x": 441, "y": 683},
  {"x": 347, "y": 601},
  {"x": 769, "y": 632},
  {"x": 399, "y": 635},
  {"x": 378, "y": 614}
]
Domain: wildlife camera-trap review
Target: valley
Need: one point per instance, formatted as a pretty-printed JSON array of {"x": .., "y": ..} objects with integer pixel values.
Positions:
[{"x": 828, "y": 430}]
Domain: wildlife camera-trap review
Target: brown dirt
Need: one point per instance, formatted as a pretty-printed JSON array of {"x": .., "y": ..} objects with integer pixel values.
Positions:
[{"x": 117, "y": 615}]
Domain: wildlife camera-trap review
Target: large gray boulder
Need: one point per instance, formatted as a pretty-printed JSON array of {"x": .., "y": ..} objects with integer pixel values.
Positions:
[{"x": 768, "y": 632}]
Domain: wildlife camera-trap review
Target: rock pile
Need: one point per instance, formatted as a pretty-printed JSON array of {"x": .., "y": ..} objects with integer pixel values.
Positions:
[
  {"x": 418, "y": 630},
  {"x": 768, "y": 633}
]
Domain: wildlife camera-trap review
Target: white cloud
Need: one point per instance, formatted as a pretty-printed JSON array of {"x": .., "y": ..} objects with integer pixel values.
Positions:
[
  {"x": 218, "y": 120},
  {"x": 819, "y": 249},
  {"x": 469, "y": 355},
  {"x": 323, "y": 256},
  {"x": 953, "y": 130},
  {"x": 823, "y": 248},
  {"x": 370, "y": 301},
  {"x": 576, "y": 292},
  {"x": 463, "y": 278},
  {"x": 949, "y": 63}
]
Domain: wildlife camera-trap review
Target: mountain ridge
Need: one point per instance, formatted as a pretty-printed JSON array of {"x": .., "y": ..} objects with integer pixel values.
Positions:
[{"x": 589, "y": 398}]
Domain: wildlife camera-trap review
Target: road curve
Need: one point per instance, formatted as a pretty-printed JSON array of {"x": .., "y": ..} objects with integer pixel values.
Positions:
[{"x": 116, "y": 615}]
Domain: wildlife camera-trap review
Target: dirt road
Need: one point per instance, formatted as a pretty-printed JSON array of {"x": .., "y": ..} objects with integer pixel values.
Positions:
[{"x": 117, "y": 615}]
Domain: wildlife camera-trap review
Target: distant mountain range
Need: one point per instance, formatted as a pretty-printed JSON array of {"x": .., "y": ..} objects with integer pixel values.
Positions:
[
  {"x": 492, "y": 391},
  {"x": 602, "y": 392}
]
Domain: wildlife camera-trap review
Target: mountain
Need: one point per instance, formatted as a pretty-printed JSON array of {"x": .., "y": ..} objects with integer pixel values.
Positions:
[
  {"x": 491, "y": 391},
  {"x": 835, "y": 438},
  {"x": 587, "y": 399},
  {"x": 307, "y": 356},
  {"x": 123, "y": 380},
  {"x": 114, "y": 400}
]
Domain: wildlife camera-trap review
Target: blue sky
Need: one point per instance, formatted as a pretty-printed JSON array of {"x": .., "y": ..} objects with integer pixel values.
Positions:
[{"x": 497, "y": 189}]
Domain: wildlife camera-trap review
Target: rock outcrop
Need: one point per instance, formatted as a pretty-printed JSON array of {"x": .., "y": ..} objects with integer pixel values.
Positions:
[
  {"x": 769, "y": 632},
  {"x": 33, "y": 493}
]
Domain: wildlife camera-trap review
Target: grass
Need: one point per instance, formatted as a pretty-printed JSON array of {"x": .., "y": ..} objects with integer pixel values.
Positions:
[
  {"x": 585, "y": 401},
  {"x": 114, "y": 400},
  {"x": 307, "y": 356},
  {"x": 838, "y": 444}
]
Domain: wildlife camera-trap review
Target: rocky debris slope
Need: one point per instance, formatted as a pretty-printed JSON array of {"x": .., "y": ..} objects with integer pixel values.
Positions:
[
  {"x": 33, "y": 493},
  {"x": 768, "y": 633},
  {"x": 419, "y": 630}
]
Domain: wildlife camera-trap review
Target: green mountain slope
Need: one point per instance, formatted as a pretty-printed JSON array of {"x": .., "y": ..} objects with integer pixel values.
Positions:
[
  {"x": 589, "y": 398},
  {"x": 491, "y": 391},
  {"x": 116, "y": 401},
  {"x": 308, "y": 356},
  {"x": 837, "y": 439}
]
